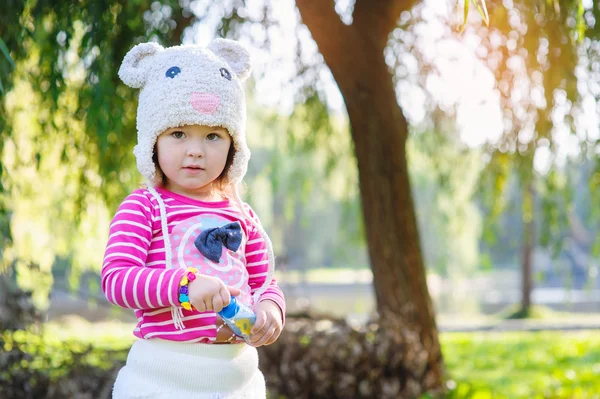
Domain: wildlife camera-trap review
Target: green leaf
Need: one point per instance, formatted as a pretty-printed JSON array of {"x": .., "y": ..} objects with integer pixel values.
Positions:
[
  {"x": 6, "y": 53},
  {"x": 581, "y": 27},
  {"x": 481, "y": 7},
  {"x": 465, "y": 15}
]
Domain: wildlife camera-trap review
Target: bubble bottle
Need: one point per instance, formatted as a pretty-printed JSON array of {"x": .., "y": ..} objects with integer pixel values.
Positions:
[{"x": 239, "y": 317}]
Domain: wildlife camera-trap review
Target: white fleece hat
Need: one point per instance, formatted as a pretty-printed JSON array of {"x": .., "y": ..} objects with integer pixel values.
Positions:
[{"x": 188, "y": 85}]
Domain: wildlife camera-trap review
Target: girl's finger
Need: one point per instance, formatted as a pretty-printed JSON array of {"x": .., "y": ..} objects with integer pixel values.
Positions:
[
  {"x": 259, "y": 324},
  {"x": 217, "y": 303},
  {"x": 201, "y": 306},
  {"x": 274, "y": 337},
  {"x": 266, "y": 337},
  {"x": 233, "y": 291},
  {"x": 225, "y": 296}
]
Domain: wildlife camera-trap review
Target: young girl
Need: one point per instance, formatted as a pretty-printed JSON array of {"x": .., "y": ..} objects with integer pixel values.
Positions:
[{"x": 180, "y": 248}]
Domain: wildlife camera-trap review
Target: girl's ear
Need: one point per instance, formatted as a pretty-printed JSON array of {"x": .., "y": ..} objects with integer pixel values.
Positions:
[
  {"x": 234, "y": 54},
  {"x": 131, "y": 72}
]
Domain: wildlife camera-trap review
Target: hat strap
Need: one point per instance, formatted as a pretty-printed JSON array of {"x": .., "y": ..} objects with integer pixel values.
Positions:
[{"x": 176, "y": 312}]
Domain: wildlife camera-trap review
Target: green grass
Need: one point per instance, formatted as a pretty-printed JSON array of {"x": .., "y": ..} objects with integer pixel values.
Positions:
[
  {"x": 109, "y": 335},
  {"x": 523, "y": 364},
  {"x": 482, "y": 365},
  {"x": 535, "y": 312},
  {"x": 64, "y": 346}
]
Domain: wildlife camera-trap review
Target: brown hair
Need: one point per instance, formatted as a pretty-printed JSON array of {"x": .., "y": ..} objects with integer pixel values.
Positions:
[{"x": 222, "y": 182}]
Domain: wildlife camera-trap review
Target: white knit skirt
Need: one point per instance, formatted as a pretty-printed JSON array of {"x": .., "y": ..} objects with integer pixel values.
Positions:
[{"x": 161, "y": 369}]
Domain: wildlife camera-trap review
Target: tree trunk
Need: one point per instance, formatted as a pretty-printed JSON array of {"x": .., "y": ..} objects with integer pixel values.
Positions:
[
  {"x": 528, "y": 240},
  {"x": 355, "y": 56}
]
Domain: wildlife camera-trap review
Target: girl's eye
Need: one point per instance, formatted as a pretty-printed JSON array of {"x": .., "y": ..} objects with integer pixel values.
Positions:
[
  {"x": 212, "y": 137},
  {"x": 172, "y": 72},
  {"x": 178, "y": 134}
]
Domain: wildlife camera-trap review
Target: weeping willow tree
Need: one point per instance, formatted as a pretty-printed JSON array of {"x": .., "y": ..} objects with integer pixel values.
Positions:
[
  {"x": 542, "y": 57},
  {"x": 80, "y": 45}
]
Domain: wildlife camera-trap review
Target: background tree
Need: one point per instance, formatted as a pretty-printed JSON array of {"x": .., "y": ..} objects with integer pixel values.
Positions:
[
  {"x": 538, "y": 53},
  {"x": 535, "y": 51}
]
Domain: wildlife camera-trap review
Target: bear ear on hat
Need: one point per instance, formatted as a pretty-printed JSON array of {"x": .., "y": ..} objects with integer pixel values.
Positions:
[
  {"x": 131, "y": 72},
  {"x": 234, "y": 54}
]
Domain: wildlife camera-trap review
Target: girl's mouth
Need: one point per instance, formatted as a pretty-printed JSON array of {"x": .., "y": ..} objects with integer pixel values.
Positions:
[{"x": 193, "y": 169}]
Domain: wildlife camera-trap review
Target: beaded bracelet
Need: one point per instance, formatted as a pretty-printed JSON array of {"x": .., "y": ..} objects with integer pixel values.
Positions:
[{"x": 184, "y": 299}]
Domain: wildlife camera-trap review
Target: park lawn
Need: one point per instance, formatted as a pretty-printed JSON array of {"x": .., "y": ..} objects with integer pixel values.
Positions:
[
  {"x": 523, "y": 364},
  {"x": 479, "y": 365}
]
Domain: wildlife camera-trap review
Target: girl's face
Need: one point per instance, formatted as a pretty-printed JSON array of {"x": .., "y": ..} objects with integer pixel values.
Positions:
[{"x": 192, "y": 157}]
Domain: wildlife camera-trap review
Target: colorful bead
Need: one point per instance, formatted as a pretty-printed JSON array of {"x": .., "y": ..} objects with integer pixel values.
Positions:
[{"x": 184, "y": 299}]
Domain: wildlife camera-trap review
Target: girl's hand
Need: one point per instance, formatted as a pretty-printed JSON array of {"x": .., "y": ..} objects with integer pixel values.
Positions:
[
  {"x": 268, "y": 325},
  {"x": 208, "y": 293}
]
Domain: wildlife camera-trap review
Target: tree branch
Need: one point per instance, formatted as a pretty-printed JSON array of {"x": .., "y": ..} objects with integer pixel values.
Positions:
[
  {"x": 327, "y": 29},
  {"x": 376, "y": 19},
  {"x": 182, "y": 21}
]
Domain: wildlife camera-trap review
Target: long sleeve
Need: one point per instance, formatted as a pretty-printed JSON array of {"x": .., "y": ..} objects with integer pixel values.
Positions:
[
  {"x": 257, "y": 263},
  {"x": 127, "y": 280}
]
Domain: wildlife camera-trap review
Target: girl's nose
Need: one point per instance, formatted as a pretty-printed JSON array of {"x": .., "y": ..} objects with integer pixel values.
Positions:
[{"x": 195, "y": 149}]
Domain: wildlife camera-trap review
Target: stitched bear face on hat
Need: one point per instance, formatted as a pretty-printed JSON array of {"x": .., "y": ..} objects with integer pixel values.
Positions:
[{"x": 188, "y": 85}]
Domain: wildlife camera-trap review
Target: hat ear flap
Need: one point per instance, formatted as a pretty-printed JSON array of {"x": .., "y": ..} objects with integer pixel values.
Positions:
[
  {"x": 236, "y": 56},
  {"x": 131, "y": 72}
]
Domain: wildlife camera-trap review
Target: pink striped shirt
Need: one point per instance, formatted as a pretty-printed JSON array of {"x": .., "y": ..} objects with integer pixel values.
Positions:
[{"x": 134, "y": 273}]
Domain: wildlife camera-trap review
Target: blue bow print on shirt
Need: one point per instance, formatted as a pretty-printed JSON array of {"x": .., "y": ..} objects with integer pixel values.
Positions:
[{"x": 211, "y": 241}]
